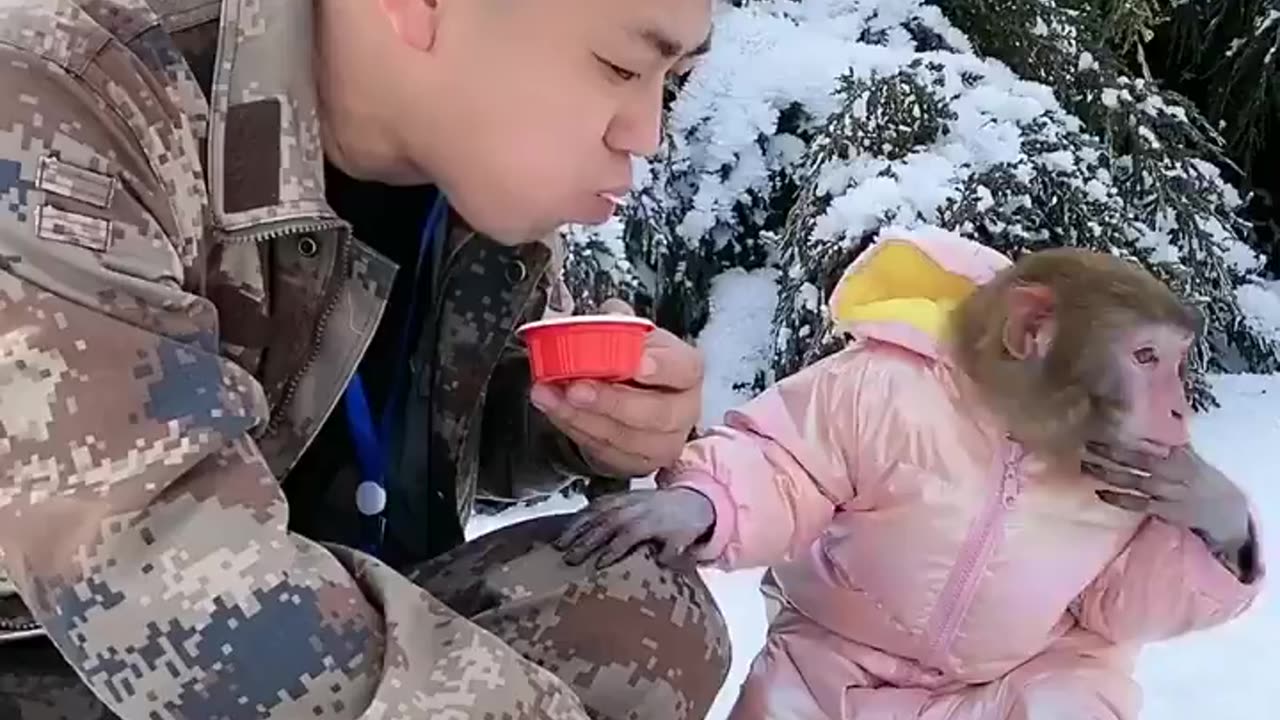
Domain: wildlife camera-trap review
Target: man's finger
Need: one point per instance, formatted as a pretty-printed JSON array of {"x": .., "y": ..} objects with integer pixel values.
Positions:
[
  {"x": 603, "y": 436},
  {"x": 639, "y": 408},
  {"x": 671, "y": 363},
  {"x": 610, "y": 460},
  {"x": 614, "y": 306},
  {"x": 607, "y": 457},
  {"x": 570, "y": 419}
]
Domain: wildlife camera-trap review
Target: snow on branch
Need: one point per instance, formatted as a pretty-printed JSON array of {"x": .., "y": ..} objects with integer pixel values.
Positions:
[{"x": 814, "y": 124}]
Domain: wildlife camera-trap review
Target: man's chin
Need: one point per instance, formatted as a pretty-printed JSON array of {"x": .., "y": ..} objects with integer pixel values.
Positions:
[{"x": 513, "y": 236}]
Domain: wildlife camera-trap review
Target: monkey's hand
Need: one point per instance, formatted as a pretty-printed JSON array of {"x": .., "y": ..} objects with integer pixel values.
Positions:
[
  {"x": 673, "y": 518},
  {"x": 1184, "y": 490}
]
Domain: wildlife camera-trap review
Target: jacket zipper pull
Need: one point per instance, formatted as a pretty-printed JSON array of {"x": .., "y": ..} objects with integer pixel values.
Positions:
[{"x": 1011, "y": 482}]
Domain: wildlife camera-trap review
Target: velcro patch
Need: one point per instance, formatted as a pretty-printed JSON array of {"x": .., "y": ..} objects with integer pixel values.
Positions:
[
  {"x": 70, "y": 181},
  {"x": 61, "y": 226}
]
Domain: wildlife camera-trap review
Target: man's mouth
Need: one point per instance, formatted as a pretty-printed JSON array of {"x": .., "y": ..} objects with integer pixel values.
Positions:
[{"x": 618, "y": 199}]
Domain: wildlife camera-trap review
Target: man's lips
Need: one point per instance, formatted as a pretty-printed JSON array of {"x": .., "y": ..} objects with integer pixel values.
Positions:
[{"x": 617, "y": 197}]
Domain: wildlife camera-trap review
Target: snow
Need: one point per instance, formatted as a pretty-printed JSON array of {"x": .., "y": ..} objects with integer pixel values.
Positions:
[
  {"x": 729, "y": 150},
  {"x": 1261, "y": 305},
  {"x": 736, "y": 344},
  {"x": 1226, "y": 673}
]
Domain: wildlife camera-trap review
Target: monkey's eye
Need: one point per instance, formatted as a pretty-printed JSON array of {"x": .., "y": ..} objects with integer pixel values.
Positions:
[{"x": 1146, "y": 356}]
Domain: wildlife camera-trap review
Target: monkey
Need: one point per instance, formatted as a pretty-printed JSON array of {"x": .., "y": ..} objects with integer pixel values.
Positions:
[{"x": 982, "y": 507}]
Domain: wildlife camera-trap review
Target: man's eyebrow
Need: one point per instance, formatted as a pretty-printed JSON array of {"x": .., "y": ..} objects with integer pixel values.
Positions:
[{"x": 670, "y": 48}]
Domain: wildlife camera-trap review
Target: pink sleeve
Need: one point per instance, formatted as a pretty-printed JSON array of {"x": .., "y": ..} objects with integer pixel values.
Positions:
[
  {"x": 1164, "y": 584},
  {"x": 778, "y": 469}
]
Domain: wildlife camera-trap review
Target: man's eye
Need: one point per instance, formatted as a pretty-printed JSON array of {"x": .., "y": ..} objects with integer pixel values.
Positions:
[
  {"x": 623, "y": 74},
  {"x": 1146, "y": 356}
]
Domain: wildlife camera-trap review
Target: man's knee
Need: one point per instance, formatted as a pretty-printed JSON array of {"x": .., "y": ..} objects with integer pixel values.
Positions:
[
  {"x": 657, "y": 638},
  {"x": 673, "y": 601},
  {"x": 632, "y": 635}
]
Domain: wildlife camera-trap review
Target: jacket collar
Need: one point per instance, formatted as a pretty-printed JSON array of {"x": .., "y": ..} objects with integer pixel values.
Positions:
[{"x": 265, "y": 159}]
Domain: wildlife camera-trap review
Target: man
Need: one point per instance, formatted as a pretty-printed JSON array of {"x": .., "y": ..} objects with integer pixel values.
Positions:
[{"x": 184, "y": 319}]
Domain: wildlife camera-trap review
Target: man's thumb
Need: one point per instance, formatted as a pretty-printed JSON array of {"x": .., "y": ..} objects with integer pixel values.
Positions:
[{"x": 614, "y": 306}]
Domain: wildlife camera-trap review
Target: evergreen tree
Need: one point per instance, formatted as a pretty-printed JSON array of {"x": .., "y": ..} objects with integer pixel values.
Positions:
[
  {"x": 1225, "y": 56},
  {"x": 817, "y": 124}
]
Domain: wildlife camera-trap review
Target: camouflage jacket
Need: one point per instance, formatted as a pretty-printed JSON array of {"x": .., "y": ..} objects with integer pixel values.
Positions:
[{"x": 180, "y": 310}]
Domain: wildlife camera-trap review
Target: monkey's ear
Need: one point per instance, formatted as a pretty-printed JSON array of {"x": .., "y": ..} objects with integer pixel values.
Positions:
[{"x": 1029, "y": 314}]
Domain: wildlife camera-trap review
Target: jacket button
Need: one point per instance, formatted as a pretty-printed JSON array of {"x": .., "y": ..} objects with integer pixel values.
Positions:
[
  {"x": 308, "y": 247},
  {"x": 517, "y": 271}
]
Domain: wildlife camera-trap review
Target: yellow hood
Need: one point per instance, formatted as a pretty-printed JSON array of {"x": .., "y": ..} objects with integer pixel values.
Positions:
[{"x": 912, "y": 281}]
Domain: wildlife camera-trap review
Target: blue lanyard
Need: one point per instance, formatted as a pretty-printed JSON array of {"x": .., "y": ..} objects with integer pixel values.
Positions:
[{"x": 370, "y": 441}]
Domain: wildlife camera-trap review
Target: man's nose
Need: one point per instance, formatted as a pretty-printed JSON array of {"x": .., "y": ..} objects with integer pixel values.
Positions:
[{"x": 637, "y": 128}]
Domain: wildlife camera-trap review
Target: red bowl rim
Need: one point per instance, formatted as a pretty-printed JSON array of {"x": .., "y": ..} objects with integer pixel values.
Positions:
[{"x": 574, "y": 320}]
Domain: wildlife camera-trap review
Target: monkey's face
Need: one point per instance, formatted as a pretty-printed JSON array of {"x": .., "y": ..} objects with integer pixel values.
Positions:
[
  {"x": 1149, "y": 363},
  {"x": 1071, "y": 346}
]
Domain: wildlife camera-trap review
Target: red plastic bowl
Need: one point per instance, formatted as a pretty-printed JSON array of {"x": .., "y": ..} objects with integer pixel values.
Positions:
[{"x": 586, "y": 347}]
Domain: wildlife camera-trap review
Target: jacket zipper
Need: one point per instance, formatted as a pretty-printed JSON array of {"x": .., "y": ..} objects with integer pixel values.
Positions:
[
  {"x": 15, "y": 630},
  {"x": 962, "y": 584},
  {"x": 322, "y": 323}
]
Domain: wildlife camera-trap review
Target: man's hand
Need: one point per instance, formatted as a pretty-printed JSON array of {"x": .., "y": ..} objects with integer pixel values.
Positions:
[
  {"x": 673, "y": 518},
  {"x": 1182, "y": 490},
  {"x": 632, "y": 429}
]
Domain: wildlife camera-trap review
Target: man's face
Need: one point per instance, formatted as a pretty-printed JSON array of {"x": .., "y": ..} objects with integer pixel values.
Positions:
[{"x": 539, "y": 105}]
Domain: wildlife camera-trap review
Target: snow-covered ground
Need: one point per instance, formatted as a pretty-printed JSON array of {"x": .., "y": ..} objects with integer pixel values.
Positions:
[{"x": 1225, "y": 674}]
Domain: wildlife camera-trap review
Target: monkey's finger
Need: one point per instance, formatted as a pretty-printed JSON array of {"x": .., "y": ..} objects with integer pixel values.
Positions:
[
  {"x": 1134, "y": 460},
  {"x": 672, "y": 553},
  {"x": 1111, "y": 477},
  {"x": 620, "y": 520},
  {"x": 1110, "y": 462},
  {"x": 1155, "y": 488},
  {"x": 622, "y": 545},
  {"x": 586, "y": 524},
  {"x": 588, "y": 517},
  {"x": 590, "y": 542},
  {"x": 1126, "y": 501}
]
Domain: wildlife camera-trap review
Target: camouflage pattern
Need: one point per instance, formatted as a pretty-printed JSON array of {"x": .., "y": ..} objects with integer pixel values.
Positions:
[
  {"x": 665, "y": 652},
  {"x": 664, "y": 656},
  {"x": 180, "y": 311}
]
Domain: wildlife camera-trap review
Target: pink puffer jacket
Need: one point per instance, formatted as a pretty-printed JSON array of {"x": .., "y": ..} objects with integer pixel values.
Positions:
[{"x": 925, "y": 566}]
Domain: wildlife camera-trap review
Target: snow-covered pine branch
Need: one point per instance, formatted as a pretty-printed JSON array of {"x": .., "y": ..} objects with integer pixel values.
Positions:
[{"x": 816, "y": 124}]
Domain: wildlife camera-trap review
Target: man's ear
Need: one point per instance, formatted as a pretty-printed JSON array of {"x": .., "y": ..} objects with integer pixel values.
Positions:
[
  {"x": 1029, "y": 325},
  {"x": 413, "y": 21}
]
